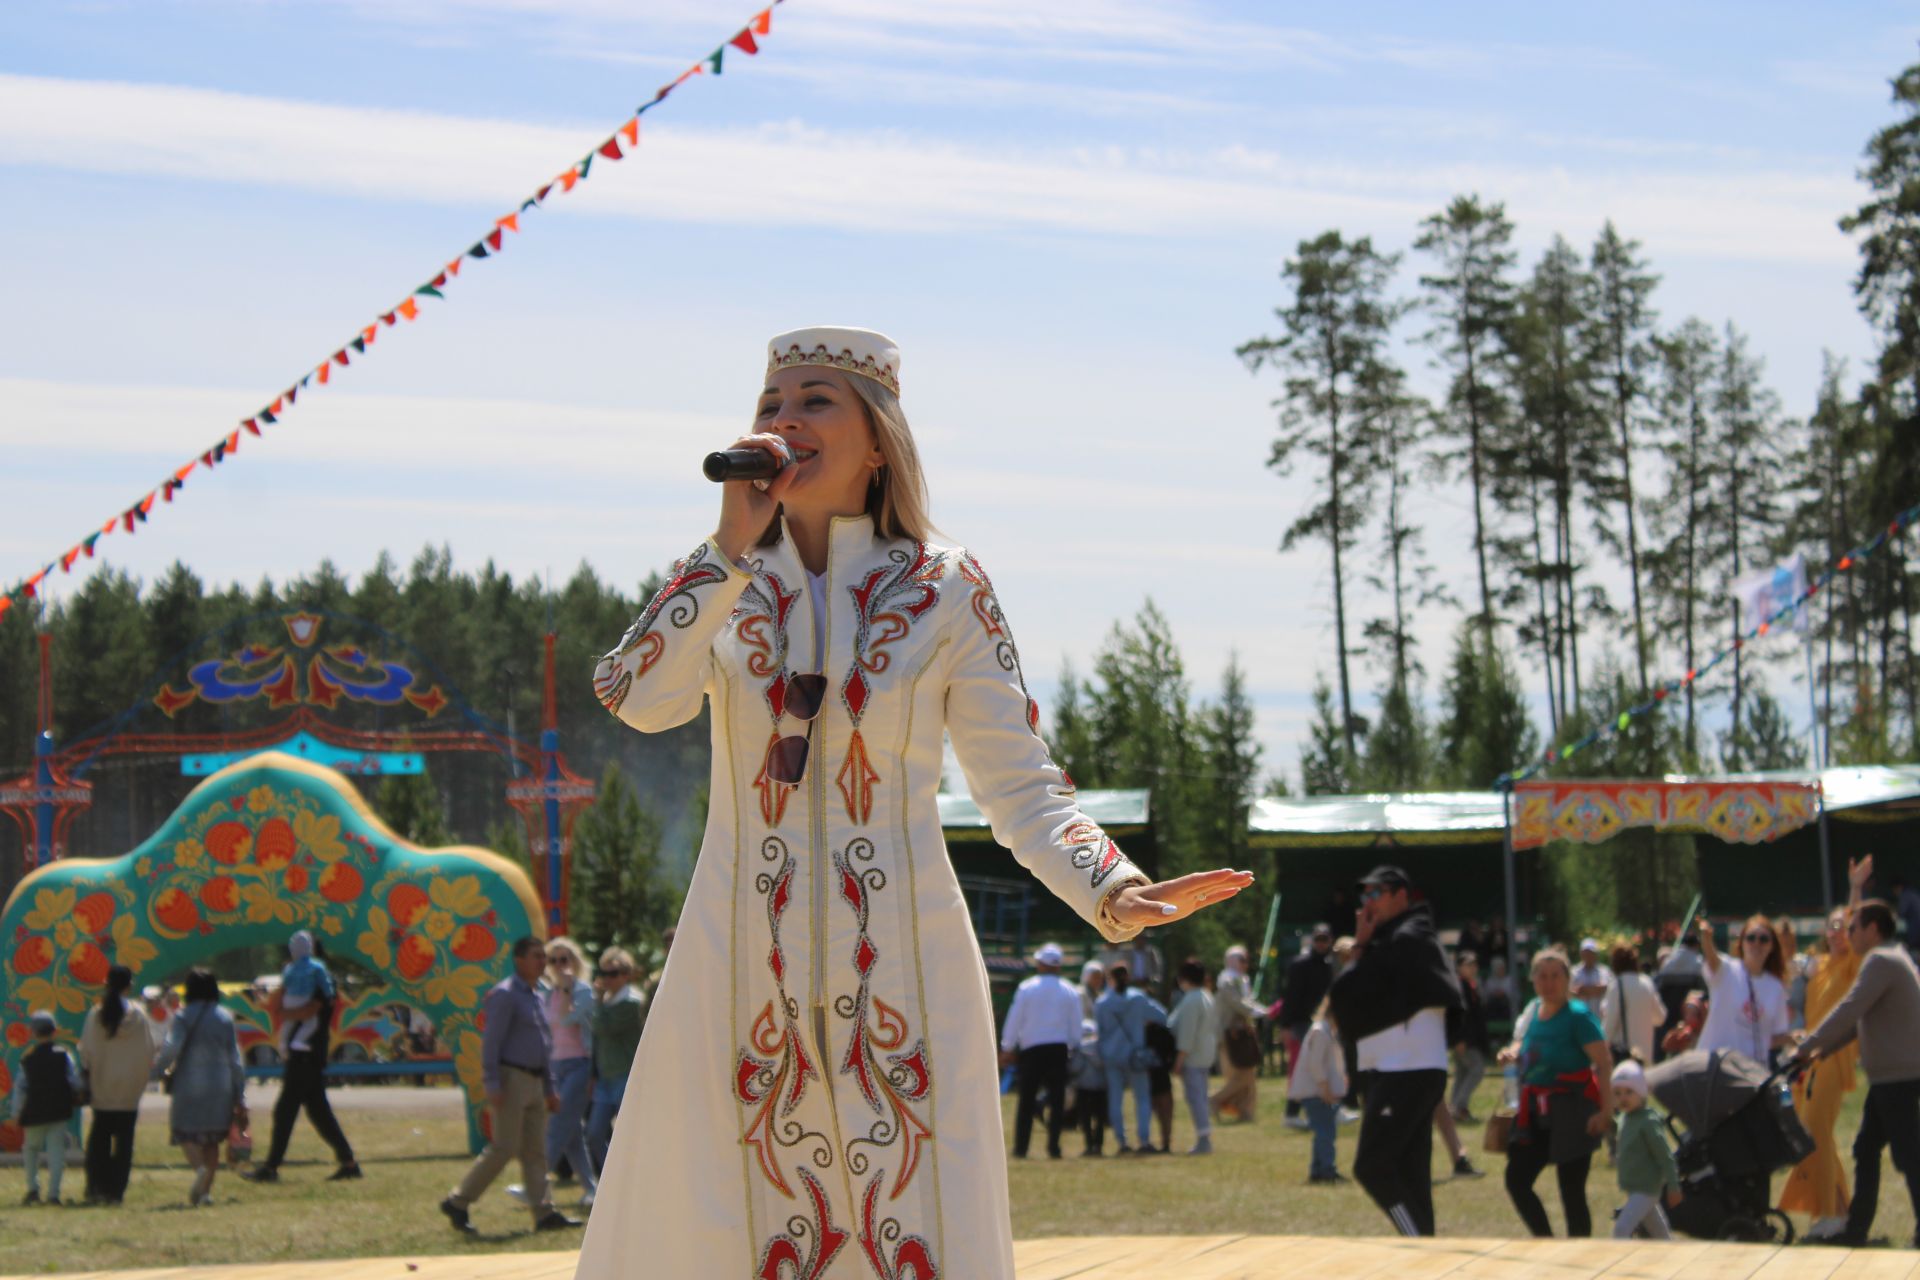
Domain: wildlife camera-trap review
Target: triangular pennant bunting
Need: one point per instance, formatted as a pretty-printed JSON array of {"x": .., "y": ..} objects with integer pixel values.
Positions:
[{"x": 628, "y": 132}]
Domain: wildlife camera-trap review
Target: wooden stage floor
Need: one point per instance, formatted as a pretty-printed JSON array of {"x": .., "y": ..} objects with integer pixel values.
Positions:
[{"x": 1214, "y": 1258}]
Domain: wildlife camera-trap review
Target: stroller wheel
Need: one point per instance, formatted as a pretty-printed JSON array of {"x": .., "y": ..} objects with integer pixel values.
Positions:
[
  {"x": 1748, "y": 1230},
  {"x": 1780, "y": 1226}
]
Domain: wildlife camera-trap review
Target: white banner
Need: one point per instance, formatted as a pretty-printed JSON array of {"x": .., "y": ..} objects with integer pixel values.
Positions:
[{"x": 1763, "y": 594}]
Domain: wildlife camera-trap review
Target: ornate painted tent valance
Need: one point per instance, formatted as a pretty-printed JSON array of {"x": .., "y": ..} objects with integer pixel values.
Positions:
[{"x": 1589, "y": 812}]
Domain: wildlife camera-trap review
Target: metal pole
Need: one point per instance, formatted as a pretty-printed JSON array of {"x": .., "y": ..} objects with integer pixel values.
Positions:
[
  {"x": 1266, "y": 946},
  {"x": 1814, "y": 752},
  {"x": 1513, "y": 897}
]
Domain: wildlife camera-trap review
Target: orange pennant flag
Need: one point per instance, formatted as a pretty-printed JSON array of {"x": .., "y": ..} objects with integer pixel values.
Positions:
[
  {"x": 146, "y": 504},
  {"x": 369, "y": 332},
  {"x": 763, "y": 22},
  {"x": 409, "y": 308},
  {"x": 233, "y": 443},
  {"x": 182, "y": 474},
  {"x": 325, "y": 372},
  {"x": 66, "y": 561},
  {"x": 6, "y": 603},
  {"x": 453, "y": 268},
  {"x": 274, "y": 408},
  {"x": 568, "y": 178},
  {"x": 108, "y": 527},
  {"x": 511, "y": 222},
  {"x": 631, "y": 129}
]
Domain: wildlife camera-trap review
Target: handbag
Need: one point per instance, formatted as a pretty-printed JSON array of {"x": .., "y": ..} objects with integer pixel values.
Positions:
[
  {"x": 166, "y": 1077},
  {"x": 1499, "y": 1131},
  {"x": 1243, "y": 1047}
]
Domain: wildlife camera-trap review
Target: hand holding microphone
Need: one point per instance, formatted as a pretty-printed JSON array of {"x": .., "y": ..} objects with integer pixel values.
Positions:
[{"x": 746, "y": 509}]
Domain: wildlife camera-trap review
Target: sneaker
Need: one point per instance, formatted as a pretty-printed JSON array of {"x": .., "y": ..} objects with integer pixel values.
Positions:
[
  {"x": 1204, "y": 1147},
  {"x": 1298, "y": 1122},
  {"x": 1824, "y": 1227},
  {"x": 53, "y": 1201},
  {"x": 1092, "y": 1155},
  {"x": 1347, "y": 1115},
  {"x": 586, "y": 1201},
  {"x": 346, "y": 1173},
  {"x": 1463, "y": 1168},
  {"x": 517, "y": 1192},
  {"x": 554, "y": 1220},
  {"x": 457, "y": 1214},
  {"x": 33, "y": 1197},
  {"x": 262, "y": 1173},
  {"x": 1123, "y": 1150}
]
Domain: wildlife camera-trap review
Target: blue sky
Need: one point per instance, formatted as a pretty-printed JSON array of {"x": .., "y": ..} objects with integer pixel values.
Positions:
[{"x": 1068, "y": 214}]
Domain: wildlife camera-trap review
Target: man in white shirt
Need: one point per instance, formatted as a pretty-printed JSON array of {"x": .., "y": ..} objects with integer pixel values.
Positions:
[
  {"x": 1394, "y": 1000},
  {"x": 1591, "y": 978},
  {"x": 1043, "y": 1024}
]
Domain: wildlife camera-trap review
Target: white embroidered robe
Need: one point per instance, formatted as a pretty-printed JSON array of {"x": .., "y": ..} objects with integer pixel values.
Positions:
[{"x": 816, "y": 1093}]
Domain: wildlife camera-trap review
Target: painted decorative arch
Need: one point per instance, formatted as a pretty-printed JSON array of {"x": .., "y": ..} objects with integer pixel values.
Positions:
[{"x": 262, "y": 848}]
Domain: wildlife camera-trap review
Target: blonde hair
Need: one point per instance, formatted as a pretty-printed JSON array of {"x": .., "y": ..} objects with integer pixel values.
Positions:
[
  {"x": 580, "y": 966},
  {"x": 618, "y": 958},
  {"x": 1554, "y": 955},
  {"x": 897, "y": 499}
]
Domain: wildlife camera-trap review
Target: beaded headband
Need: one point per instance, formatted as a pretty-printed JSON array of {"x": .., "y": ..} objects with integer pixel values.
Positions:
[{"x": 862, "y": 351}]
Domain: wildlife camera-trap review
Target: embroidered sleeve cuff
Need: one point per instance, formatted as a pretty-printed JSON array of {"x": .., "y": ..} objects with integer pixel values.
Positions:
[
  {"x": 740, "y": 568},
  {"x": 1110, "y": 928}
]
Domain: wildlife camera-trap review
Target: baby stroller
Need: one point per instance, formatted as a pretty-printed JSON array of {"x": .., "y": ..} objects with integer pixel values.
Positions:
[{"x": 1739, "y": 1129}]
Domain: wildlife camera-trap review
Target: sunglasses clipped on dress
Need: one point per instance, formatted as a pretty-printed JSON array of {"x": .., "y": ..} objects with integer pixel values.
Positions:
[{"x": 787, "y": 757}]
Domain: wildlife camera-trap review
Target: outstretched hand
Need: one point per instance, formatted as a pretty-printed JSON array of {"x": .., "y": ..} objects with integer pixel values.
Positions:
[
  {"x": 1171, "y": 900},
  {"x": 1859, "y": 871}
]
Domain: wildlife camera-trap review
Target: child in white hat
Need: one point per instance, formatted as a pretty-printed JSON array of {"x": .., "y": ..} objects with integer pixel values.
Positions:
[{"x": 1645, "y": 1162}]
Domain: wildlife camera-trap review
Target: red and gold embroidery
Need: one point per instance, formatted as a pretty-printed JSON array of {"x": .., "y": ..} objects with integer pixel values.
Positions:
[
  {"x": 614, "y": 677},
  {"x": 890, "y": 1076},
  {"x": 886, "y": 604},
  {"x": 760, "y": 620},
  {"x": 1092, "y": 848},
  {"x": 805, "y": 1250},
  {"x": 891, "y": 1253},
  {"x": 772, "y": 1077}
]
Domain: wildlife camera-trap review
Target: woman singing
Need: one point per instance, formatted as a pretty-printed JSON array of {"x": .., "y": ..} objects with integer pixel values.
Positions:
[{"x": 815, "y": 1094}]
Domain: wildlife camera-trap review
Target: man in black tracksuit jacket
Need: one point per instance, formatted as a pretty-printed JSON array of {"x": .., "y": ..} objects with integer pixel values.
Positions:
[{"x": 1393, "y": 1002}]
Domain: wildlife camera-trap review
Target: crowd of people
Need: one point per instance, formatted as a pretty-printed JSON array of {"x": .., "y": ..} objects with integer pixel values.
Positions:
[
  {"x": 1384, "y": 1028},
  {"x": 558, "y": 1044},
  {"x": 1388, "y": 1028}
]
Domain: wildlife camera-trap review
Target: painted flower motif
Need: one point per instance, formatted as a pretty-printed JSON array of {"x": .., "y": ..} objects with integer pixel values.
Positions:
[
  {"x": 331, "y": 926},
  {"x": 438, "y": 925},
  {"x": 319, "y": 836},
  {"x": 143, "y": 867},
  {"x": 189, "y": 853},
  {"x": 260, "y": 799},
  {"x": 65, "y": 934}
]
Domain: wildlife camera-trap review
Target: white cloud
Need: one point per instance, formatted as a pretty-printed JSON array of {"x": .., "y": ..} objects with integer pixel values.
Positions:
[{"x": 799, "y": 174}]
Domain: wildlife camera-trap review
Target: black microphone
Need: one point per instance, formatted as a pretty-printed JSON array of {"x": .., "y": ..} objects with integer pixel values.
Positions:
[{"x": 742, "y": 464}]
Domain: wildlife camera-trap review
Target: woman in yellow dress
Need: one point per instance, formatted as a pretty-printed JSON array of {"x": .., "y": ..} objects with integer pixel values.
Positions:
[{"x": 1818, "y": 1185}]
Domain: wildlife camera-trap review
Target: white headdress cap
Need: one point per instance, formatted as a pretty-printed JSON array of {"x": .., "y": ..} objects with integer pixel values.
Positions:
[{"x": 862, "y": 351}]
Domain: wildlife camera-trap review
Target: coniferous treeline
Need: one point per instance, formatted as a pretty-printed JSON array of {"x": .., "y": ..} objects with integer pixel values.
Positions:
[{"x": 1625, "y": 469}]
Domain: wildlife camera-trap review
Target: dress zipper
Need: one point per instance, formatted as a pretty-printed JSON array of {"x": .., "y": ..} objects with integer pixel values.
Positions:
[{"x": 821, "y": 877}]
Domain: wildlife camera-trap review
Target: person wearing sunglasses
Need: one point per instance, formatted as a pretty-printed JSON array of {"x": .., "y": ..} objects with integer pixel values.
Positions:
[
  {"x": 815, "y": 1090},
  {"x": 1747, "y": 998}
]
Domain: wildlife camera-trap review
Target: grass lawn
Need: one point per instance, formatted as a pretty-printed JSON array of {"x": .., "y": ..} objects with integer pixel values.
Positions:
[{"x": 413, "y": 1153}]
